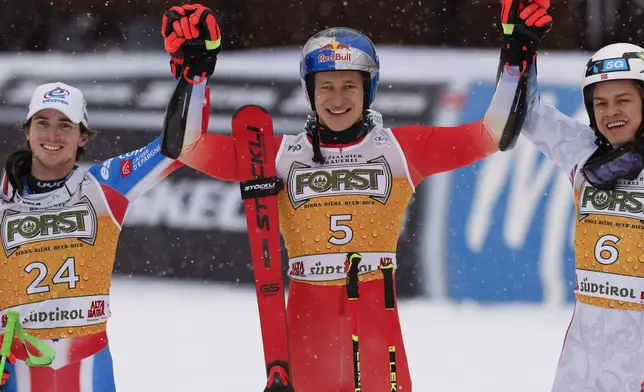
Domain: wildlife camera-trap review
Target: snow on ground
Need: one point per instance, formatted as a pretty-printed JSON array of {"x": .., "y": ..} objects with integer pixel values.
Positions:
[{"x": 192, "y": 337}]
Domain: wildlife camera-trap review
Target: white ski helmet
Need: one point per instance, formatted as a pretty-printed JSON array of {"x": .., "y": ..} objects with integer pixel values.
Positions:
[{"x": 612, "y": 62}]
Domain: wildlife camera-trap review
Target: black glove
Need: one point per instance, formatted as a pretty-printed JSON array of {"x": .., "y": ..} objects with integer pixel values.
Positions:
[
  {"x": 525, "y": 23},
  {"x": 193, "y": 40}
]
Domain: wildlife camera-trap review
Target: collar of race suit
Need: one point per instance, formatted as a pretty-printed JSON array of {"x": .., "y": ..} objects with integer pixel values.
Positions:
[{"x": 353, "y": 134}]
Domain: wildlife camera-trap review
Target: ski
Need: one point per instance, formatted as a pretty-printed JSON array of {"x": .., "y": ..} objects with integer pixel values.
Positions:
[{"x": 255, "y": 150}]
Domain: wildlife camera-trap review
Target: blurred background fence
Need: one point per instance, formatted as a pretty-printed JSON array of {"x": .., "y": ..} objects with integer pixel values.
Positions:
[{"x": 127, "y": 25}]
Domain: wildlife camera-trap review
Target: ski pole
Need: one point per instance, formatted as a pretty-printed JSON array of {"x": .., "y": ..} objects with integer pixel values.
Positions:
[
  {"x": 7, "y": 340},
  {"x": 387, "y": 269},
  {"x": 352, "y": 264},
  {"x": 14, "y": 329}
]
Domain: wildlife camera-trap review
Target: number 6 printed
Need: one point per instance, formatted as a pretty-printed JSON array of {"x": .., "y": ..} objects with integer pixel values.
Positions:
[{"x": 601, "y": 248}]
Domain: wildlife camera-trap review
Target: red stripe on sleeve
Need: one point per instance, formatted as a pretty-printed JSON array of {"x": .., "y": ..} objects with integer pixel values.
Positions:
[
  {"x": 431, "y": 150},
  {"x": 117, "y": 203},
  {"x": 214, "y": 154}
]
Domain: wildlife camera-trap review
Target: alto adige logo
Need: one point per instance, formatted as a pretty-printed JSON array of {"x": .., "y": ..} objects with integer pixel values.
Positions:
[
  {"x": 21, "y": 228},
  {"x": 372, "y": 179},
  {"x": 627, "y": 203}
]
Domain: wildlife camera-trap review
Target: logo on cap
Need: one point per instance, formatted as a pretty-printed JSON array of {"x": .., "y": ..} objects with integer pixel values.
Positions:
[{"x": 57, "y": 95}]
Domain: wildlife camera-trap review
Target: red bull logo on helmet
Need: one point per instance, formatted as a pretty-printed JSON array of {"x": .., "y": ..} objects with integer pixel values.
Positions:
[{"x": 340, "y": 52}]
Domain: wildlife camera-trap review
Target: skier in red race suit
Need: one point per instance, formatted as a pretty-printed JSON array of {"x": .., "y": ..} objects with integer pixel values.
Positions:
[{"x": 348, "y": 180}]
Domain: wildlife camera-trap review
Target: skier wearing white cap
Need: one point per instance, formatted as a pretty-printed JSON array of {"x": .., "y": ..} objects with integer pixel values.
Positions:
[{"x": 60, "y": 227}]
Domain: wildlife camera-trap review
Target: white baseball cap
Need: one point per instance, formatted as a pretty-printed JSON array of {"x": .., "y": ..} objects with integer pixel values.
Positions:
[{"x": 62, "y": 97}]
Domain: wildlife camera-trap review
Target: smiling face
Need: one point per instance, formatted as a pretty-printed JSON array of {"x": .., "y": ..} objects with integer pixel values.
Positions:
[
  {"x": 339, "y": 98},
  {"x": 617, "y": 105},
  {"x": 54, "y": 141}
]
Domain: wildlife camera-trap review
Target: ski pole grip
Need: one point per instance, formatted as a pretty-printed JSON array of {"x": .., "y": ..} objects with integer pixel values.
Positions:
[
  {"x": 7, "y": 340},
  {"x": 14, "y": 330},
  {"x": 388, "y": 272},
  {"x": 352, "y": 267}
]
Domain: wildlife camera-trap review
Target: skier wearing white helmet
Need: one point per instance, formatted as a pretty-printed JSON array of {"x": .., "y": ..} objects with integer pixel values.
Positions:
[
  {"x": 616, "y": 68},
  {"x": 603, "y": 349}
]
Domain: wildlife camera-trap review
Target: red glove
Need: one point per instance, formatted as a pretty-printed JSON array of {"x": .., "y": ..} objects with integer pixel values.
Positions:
[
  {"x": 525, "y": 23},
  {"x": 531, "y": 15},
  {"x": 5, "y": 374},
  {"x": 191, "y": 35},
  {"x": 536, "y": 14}
]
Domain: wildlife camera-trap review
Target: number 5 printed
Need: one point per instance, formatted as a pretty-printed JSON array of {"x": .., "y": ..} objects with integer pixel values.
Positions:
[{"x": 337, "y": 227}]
